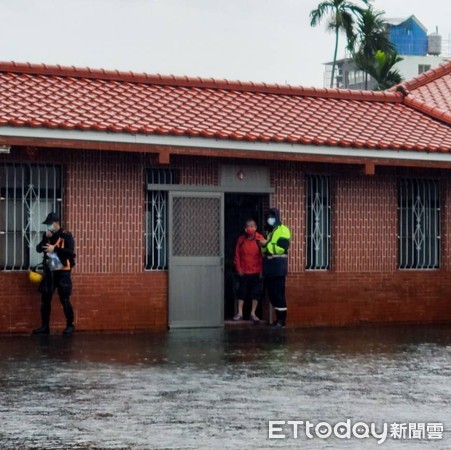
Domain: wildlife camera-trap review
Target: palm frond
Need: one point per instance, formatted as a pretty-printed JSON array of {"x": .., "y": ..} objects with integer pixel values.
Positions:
[{"x": 316, "y": 15}]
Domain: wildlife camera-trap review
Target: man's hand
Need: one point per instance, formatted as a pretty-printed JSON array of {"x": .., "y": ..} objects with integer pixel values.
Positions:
[
  {"x": 48, "y": 233},
  {"x": 260, "y": 239},
  {"x": 49, "y": 248}
]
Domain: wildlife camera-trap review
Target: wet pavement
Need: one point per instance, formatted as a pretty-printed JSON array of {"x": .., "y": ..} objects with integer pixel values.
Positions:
[{"x": 218, "y": 388}]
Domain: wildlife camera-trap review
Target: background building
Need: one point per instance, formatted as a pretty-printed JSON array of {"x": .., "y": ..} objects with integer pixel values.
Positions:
[{"x": 420, "y": 52}]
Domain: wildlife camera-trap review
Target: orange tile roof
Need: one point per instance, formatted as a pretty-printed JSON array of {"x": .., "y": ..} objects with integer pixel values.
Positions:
[
  {"x": 431, "y": 90},
  {"x": 86, "y": 99}
]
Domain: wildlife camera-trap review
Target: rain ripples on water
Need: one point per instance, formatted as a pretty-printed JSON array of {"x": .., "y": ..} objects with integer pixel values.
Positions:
[{"x": 219, "y": 388}]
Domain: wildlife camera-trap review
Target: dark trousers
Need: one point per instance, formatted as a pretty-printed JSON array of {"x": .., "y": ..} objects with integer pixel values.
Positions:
[
  {"x": 276, "y": 294},
  {"x": 61, "y": 281}
]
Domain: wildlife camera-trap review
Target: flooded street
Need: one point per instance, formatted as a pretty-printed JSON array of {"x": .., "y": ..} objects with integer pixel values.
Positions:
[{"x": 219, "y": 388}]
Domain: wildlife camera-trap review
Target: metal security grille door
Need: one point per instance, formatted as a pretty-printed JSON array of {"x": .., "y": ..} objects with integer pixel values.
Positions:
[{"x": 196, "y": 259}]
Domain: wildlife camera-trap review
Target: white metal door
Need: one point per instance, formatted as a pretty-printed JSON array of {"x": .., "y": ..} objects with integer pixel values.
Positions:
[{"x": 196, "y": 259}]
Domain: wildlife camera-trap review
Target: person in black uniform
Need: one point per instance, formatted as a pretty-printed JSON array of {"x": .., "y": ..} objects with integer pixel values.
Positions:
[
  {"x": 59, "y": 258},
  {"x": 275, "y": 264}
]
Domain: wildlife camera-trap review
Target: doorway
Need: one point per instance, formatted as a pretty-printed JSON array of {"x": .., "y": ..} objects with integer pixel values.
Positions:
[{"x": 239, "y": 208}]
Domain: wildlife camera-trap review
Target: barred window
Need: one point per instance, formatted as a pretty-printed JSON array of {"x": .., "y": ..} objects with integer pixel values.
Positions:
[
  {"x": 419, "y": 224},
  {"x": 28, "y": 192},
  {"x": 157, "y": 218},
  {"x": 318, "y": 213}
]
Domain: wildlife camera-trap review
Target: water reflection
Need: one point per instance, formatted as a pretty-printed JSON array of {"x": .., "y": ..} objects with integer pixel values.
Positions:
[{"x": 215, "y": 388}]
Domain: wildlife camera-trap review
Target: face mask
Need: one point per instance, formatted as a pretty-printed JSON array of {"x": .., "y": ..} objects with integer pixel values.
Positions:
[
  {"x": 51, "y": 228},
  {"x": 250, "y": 230},
  {"x": 271, "y": 221}
]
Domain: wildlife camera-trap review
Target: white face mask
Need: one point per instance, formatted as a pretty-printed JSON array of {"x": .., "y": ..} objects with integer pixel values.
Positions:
[
  {"x": 271, "y": 221},
  {"x": 50, "y": 228}
]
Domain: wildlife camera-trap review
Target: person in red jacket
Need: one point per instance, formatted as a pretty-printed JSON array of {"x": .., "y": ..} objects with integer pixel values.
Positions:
[{"x": 248, "y": 264}]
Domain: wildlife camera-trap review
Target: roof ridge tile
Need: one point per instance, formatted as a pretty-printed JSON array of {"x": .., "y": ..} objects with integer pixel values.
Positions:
[
  {"x": 198, "y": 82},
  {"x": 430, "y": 110},
  {"x": 426, "y": 77}
]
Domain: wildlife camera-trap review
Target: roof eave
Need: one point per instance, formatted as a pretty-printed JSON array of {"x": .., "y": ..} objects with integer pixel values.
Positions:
[{"x": 155, "y": 144}]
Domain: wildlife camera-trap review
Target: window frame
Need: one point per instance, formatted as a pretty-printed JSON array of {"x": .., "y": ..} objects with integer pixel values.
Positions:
[
  {"x": 428, "y": 224},
  {"x": 156, "y": 218},
  {"x": 423, "y": 68},
  {"x": 25, "y": 197},
  {"x": 311, "y": 261}
]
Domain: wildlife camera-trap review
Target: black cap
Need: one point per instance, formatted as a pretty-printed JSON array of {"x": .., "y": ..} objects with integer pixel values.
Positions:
[{"x": 52, "y": 217}]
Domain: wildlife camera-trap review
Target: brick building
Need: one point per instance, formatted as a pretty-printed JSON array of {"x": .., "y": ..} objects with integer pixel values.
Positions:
[{"x": 154, "y": 176}]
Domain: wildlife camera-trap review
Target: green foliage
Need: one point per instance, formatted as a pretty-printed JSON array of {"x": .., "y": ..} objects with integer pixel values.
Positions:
[
  {"x": 341, "y": 15},
  {"x": 367, "y": 38},
  {"x": 380, "y": 67},
  {"x": 371, "y": 34},
  {"x": 373, "y": 52}
]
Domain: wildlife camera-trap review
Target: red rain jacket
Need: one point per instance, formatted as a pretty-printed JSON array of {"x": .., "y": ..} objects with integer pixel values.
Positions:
[{"x": 248, "y": 257}]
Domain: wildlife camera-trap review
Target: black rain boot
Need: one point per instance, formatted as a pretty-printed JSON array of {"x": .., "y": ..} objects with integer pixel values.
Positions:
[
  {"x": 45, "y": 319},
  {"x": 69, "y": 330},
  {"x": 69, "y": 313},
  {"x": 42, "y": 330},
  {"x": 283, "y": 317},
  {"x": 278, "y": 323}
]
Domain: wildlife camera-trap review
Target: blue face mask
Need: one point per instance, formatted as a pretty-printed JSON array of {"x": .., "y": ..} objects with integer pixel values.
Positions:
[
  {"x": 271, "y": 221},
  {"x": 50, "y": 228}
]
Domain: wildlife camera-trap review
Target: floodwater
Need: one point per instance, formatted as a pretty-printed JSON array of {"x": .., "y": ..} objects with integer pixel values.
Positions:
[{"x": 218, "y": 388}]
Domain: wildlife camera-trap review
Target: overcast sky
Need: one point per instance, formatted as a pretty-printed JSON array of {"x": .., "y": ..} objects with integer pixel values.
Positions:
[{"x": 258, "y": 40}]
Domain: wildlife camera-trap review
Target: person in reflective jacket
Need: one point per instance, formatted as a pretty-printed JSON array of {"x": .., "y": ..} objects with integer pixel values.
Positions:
[
  {"x": 59, "y": 258},
  {"x": 275, "y": 264}
]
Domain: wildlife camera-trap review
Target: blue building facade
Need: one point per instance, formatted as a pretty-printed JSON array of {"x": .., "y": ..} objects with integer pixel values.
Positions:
[{"x": 409, "y": 37}]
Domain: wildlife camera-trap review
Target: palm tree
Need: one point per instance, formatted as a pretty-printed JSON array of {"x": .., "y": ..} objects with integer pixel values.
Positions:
[
  {"x": 381, "y": 69},
  {"x": 371, "y": 36},
  {"x": 342, "y": 19}
]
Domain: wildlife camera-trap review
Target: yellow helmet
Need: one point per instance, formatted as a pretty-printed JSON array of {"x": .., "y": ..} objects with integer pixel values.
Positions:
[{"x": 35, "y": 277}]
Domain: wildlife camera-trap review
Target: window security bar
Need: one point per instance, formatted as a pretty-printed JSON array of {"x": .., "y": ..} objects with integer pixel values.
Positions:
[
  {"x": 28, "y": 192},
  {"x": 318, "y": 222},
  {"x": 419, "y": 224},
  {"x": 156, "y": 236}
]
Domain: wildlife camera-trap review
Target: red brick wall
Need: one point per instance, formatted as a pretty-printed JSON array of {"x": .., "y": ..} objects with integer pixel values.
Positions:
[
  {"x": 336, "y": 298},
  {"x": 364, "y": 284},
  {"x": 104, "y": 208},
  {"x": 289, "y": 184},
  {"x": 203, "y": 171},
  {"x": 102, "y": 301},
  {"x": 364, "y": 224},
  {"x": 104, "y": 205}
]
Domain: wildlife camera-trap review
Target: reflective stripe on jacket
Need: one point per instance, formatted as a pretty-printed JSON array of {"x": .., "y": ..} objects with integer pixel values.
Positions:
[
  {"x": 64, "y": 247},
  {"x": 60, "y": 245},
  {"x": 275, "y": 262}
]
